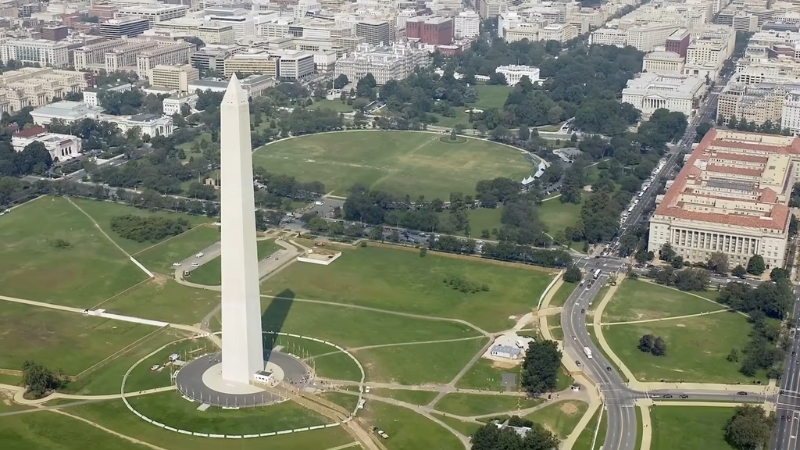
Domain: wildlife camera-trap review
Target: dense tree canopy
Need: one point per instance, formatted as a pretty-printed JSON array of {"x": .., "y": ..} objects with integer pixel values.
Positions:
[
  {"x": 143, "y": 229},
  {"x": 540, "y": 367}
]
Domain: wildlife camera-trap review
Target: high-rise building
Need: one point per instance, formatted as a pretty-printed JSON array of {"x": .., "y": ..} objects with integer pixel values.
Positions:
[
  {"x": 242, "y": 345},
  {"x": 41, "y": 51},
  {"x": 679, "y": 41},
  {"x": 55, "y": 33},
  {"x": 431, "y": 30},
  {"x": 124, "y": 27},
  {"x": 171, "y": 54},
  {"x": 467, "y": 25},
  {"x": 173, "y": 77},
  {"x": 153, "y": 13},
  {"x": 374, "y": 32}
]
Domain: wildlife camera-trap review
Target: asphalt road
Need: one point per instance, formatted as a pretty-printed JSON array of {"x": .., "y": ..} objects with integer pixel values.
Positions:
[{"x": 784, "y": 435}]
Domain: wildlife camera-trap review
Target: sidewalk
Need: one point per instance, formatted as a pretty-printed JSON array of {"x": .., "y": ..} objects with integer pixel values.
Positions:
[{"x": 647, "y": 425}]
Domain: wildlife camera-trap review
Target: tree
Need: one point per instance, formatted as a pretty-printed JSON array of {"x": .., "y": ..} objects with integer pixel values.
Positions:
[
  {"x": 646, "y": 343},
  {"x": 340, "y": 81},
  {"x": 755, "y": 265},
  {"x": 718, "y": 262},
  {"x": 739, "y": 271},
  {"x": 572, "y": 274},
  {"x": 540, "y": 367},
  {"x": 423, "y": 251},
  {"x": 38, "y": 379},
  {"x": 701, "y": 130},
  {"x": 666, "y": 253},
  {"x": 523, "y": 133},
  {"x": 733, "y": 356},
  {"x": 659, "y": 347},
  {"x": 497, "y": 78},
  {"x": 749, "y": 428},
  {"x": 778, "y": 274}
]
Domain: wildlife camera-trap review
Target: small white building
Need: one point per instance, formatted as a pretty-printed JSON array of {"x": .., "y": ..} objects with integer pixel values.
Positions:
[
  {"x": 506, "y": 351},
  {"x": 91, "y": 96},
  {"x": 515, "y": 73},
  {"x": 61, "y": 146},
  {"x": 173, "y": 105},
  {"x": 265, "y": 377}
]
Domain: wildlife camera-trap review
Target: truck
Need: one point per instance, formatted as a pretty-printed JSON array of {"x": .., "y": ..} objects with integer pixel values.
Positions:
[
  {"x": 588, "y": 352},
  {"x": 597, "y": 273}
]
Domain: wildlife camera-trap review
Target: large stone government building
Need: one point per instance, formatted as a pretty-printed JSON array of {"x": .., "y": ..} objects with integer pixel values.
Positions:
[{"x": 731, "y": 196}]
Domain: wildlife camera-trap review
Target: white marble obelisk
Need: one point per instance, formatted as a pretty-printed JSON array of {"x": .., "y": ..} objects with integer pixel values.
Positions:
[{"x": 242, "y": 348}]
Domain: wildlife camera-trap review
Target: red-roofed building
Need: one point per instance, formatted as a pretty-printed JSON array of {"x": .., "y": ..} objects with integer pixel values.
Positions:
[{"x": 732, "y": 197}]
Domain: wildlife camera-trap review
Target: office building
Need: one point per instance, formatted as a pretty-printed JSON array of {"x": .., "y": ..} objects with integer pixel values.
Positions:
[
  {"x": 154, "y": 13},
  {"x": 124, "y": 27},
  {"x": 243, "y": 25},
  {"x": 515, "y": 73},
  {"x": 467, "y": 25},
  {"x": 208, "y": 32},
  {"x": 430, "y": 30},
  {"x": 91, "y": 96},
  {"x": 33, "y": 87},
  {"x": 294, "y": 65},
  {"x": 168, "y": 54},
  {"x": 650, "y": 91},
  {"x": 384, "y": 63},
  {"x": 41, "y": 51},
  {"x": 251, "y": 63},
  {"x": 757, "y": 103},
  {"x": 678, "y": 42},
  {"x": 374, "y": 32},
  {"x": 254, "y": 85},
  {"x": 731, "y": 196},
  {"x": 173, "y": 77},
  {"x": 663, "y": 62},
  {"x": 55, "y": 33},
  {"x": 93, "y": 56},
  {"x": 212, "y": 57}
]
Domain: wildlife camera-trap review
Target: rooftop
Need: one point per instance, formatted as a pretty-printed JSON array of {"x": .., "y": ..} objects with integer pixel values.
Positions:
[
  {"x": 67, "y": 109},
  {"x": 736, "y": 179}
]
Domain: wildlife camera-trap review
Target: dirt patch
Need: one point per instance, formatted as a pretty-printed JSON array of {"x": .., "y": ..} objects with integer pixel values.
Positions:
[
  {"x": 160, "y": 280},
  {"x": 680, "y": 325},
  {"x": 569, "y": 409},
  {"x": 503, "y": 365}
]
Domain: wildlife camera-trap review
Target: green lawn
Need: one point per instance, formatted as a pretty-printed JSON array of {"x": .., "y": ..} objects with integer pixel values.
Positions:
[
  {"x": 142, "y": 379},
  {"x": 465, "y": 428},
  {"x": 585, "y": 439},
  {"x": 115, "y": 416},
  {"x": 61, "y": 340},
  {"x": 477, "y": 405},
  {"x": 338, "y": 366},
  {"x": 408, "y": 430},
  {"x": 336, "y": 105},
  {"x": 347, "y": 401},
  {"x": 689, "y": 428},
  {"x": 400, "y": 162},
  {"x": 33, "y": 267},
  {"x": 560, "y": 417},
  {"x": 160, "y": 257},
  {"x": 165, "y": 300},
  {"x": 489, "y": 96},
  {"x": 485, "y": 375},
  {"x": 639, "y": 300},
  {"x": 103, "y": 212},
  {"x": 554, "y": 323},
  {"x": 52, "y": 431},
  {"x": 557, "y": 216},
  {"x": 342, "y": 325},
  {"x": 406, "y": 395},
  {"x": 171, "y": 409},
  {"x": 418, "y": 364},
  {"x": 696, "y": 348},
  {"x": 210, "y": 272},
  {"x": 370, "y": 277},
  {"x": 484, "y": 219},
  {"x": 107, "y": 378},
  {"x": 562, "y": 294}
]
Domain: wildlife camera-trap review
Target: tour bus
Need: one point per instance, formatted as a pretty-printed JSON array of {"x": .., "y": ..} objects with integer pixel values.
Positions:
[{"x": 597, "y": 273}]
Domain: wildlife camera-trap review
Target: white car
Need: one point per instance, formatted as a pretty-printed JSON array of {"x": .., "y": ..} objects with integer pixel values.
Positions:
[
  {"x": 176, "y": 264},
  {"x": 199, "y": 255},
  {"x": 195, "y": 265}
]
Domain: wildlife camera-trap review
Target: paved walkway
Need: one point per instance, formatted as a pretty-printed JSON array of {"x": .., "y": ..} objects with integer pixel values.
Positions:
[
  {"x": 647, "y": 425},
  {"x": 19, "y": 391}
]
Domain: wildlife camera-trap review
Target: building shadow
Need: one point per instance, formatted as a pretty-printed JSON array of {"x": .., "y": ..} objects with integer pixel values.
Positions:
[{"x": 273, "y": 318}]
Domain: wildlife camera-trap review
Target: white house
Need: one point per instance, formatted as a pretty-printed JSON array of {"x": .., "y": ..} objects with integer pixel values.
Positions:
[
  {"x": 515, "y": 73},
  {"x": 506, "y": 351}
]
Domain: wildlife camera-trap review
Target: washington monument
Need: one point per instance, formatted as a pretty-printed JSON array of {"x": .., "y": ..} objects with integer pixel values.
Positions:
[{"x": 242, "y": 348}]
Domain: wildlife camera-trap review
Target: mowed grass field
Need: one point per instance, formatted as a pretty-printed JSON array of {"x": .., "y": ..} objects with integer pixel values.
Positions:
[
  {"x": 61, "y": 340},
  {"x": 399, "y": 280},
  {"x": 557, "y": 216},
  {"x": 560, "y": 417},
  {"x": 166, "y": 300},
  {"x": 399, "y": 162},
  {"x": 408, "y": 430},
  {"x": 640, "y": 300},
  {"x": 90, "y": 270},
  {"x": 697, "y": 348},
  {"x": 116, "y": 417},
  {"x": 689, "y": 428},
  {"x": 467, "y": 405}
]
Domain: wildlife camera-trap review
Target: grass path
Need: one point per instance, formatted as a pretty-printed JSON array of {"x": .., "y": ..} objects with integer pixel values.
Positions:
[
  {"x": 119, "y": 435},
  {"x": 631, "y": 322},
  {"x": 99, "y": 228}
]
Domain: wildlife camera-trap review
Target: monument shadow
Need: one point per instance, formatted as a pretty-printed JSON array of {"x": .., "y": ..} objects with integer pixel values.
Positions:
[{"x": 273, "y": 318}]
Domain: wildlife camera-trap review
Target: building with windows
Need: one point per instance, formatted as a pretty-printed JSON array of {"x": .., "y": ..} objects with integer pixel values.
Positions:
[
  {"x": 756, "y": 103},
  {"x": 41, "y": 51},
  {"x": 561, "y": 32},
  {"x": 167, "y": 54},
  {"x": 374, "y": 32},
  {"x": 467, "y": 25},
  {"x": 384, "y": 63},
  {"x": 662, "y": 62},
  {"x": 650, "y": 91},
  {"x": 790, "y": 113},
  {"x": 515, "y": 73},
  {"x": 61, "y": 147},
  {"x": 173, "y": 105},
  {"x": 243, "y": 25},
  {"x": 173, "y": 77},
  {"x": 678, "y": 42},
  {"x": 208, "y": 32},
  {"x": 124, "y": 27},
  {"x": 34, "y": 87},
  {"x": 252, "y": 63},
  {"x": 150, "y": 124},
  {"x": 91, "y": 96},
  {"x": 430, "y": 30},
  {"x": 154, "y": 13},
  {"x": 731, "y": 196},
  {"x": 65, "y": 111},
  {"x": 212, "y": 57},
  {"x": 93, "y": 56},
  {"x": 294, "y": 65},
  {"x": 254, "y": 85}
]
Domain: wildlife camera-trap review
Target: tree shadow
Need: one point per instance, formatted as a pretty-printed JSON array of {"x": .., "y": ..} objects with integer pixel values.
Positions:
[{"x": 273, "y": 318}]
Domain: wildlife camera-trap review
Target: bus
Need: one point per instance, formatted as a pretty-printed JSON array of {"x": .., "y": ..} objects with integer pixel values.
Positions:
[{"x": 597, "y": 273}]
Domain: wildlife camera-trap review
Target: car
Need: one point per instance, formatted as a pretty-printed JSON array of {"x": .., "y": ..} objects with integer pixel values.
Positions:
[
  {"x": 608, "y": 368},
  {"x": 655, "y": 396},
  {"x": 176, "y": 264},
  {"x": 577, "y": 363},
  {"x": 583, "y": 310},
  {"x": 199, "y": 255},
  {"x": 742, "y": 393},
  {"x": 794, "y": 353},
  {"x": 684, "y": 395},
  {"x": 195, "y": 265},
  {"x": 667, "y": 395}
]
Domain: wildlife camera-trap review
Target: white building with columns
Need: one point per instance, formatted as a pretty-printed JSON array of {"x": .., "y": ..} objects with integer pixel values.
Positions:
[
  {"x": 515, "y": 73},
  {"x": 731, "y": 196},
  {"x": 651, "y": 91}
]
